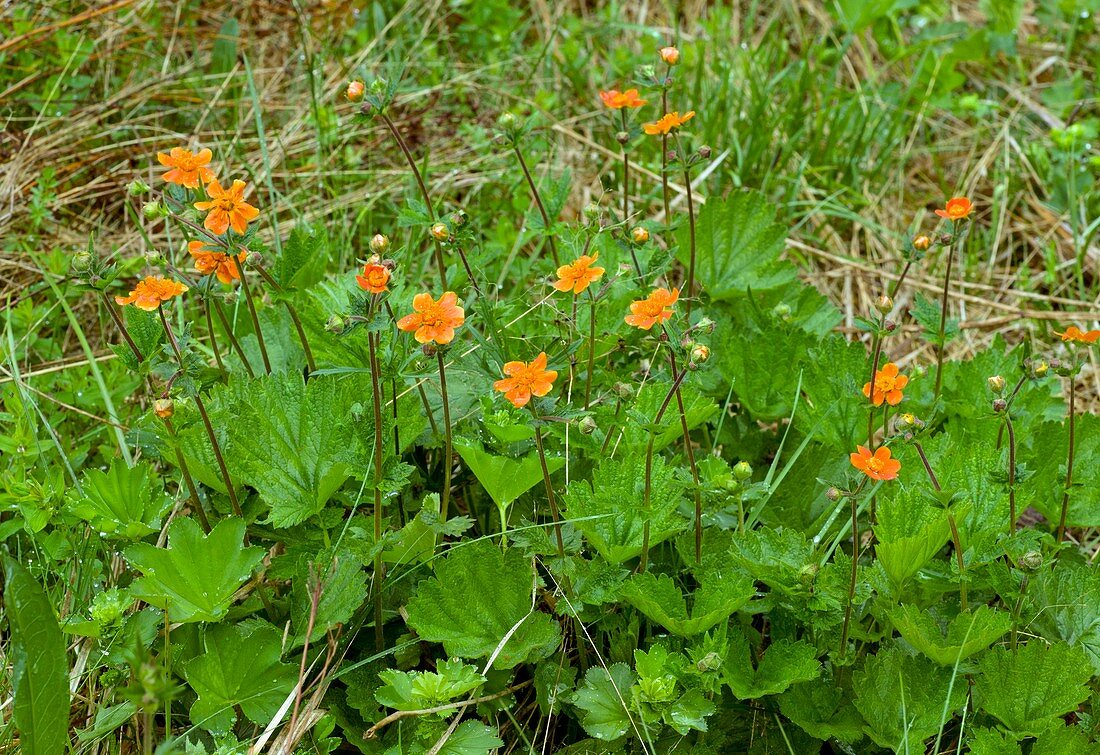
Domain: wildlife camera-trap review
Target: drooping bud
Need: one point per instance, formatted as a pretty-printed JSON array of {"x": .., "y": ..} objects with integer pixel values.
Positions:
[
  {"x": 622, "y": 137},
  {"x": 137, "y": 187},
  {"x": 506, "y": 122},
  {"x": 379, "y": 243},
  {"x": 154, "y": 210},
  {"x": 624, "y": 391},
  {"x": 742, "y": 470},
  {"x": 429, "y": 349},
  {"x": 884, "y": 304},
  {"x": 390, "y": 265},
  {"x": 807, "y": 574},
  {"x": 440, "y": 232},
  {"x": 704, "y": 152},
  {"x": 164, "y": 408},
  {"x": 1039, "y": 368},
  {"x": 458, "y": 218},
  {"x": 355, "y": 91},
  {"x": 670, "y": 55},
  {"x": 890, "y": 326},
  {"x": 833, "y": 494},
  {"x": 587, "y": 425},
  {"x": 996, "y": 383},
  {"x": 335, "y": 324},
  {"x": 254, "y": 259},
  {"x": 922, "y": 243},
  {"x": 999, "y": 405},
  {"x": 639, "y": 234},
  {"x": 705, "y": 325}
]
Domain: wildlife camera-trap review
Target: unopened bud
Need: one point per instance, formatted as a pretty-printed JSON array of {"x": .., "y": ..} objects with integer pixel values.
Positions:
[
  {"x": 1039, "y": 368},
  {"x": 944, "y": 239},
  {"x": 639, "y": 234},
  {"x": 366, "y": 108},
  {"x": 624, "y": 391},
  {"x": 669, "y": 55},
  {"x": 710, "y": 662},
  {"x": 137, "y": 187},
  {"x": 378, "y": 86},
  {"x": 154, "y": 210},
  {"x": 439, "y": 232},
  {"x": 999, "y": 405},
  {"x": 1031, "y": 561},
  {"x": 704, "y": 152},
  {"x": 388, "y": 264},
  {"x": 922, "y": 243},
  {"x": 833, "y": 494},
  {"x": 429, "y": 349},
  {"x": 82, "y": 262},
  {"x": 742, "y": 470},
  {"x": 671, "y": 156},
  {"x": 706, "y": 325},
  {"x": 889, "y": 326},
  {"x": 587, "y": 425},
  {"x": 807, "y": 574},
  {"x": 355, "y": 91},
  {"x": 379, "y": 243},
  {"x": 335, "y": 324},
  {"x": 622, "y": 137},
  {"x": 164, "y": 408},
  {"x": 506, "y": 121},
  {"x": 996, "y": 383},
  {"x": 782, "y": 310},
  {"x": 592, "y": 212},
  {"x": 254, "y": 259},
  {"x": 907, "y": 421},
  {"x": 884, "y": 304},
  {"x": 153, "y": 257},
  {"x": 458, "y": 218},
  {"x": 700, "y": 353}
]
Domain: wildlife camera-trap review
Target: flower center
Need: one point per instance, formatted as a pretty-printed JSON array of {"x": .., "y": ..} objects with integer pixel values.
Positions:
[
  {"x": 188, "y": 163},
  {"x": 874, "y": 464},
  {"x": 884, "y": 383},
  {"x": 225, "y": 204},
  {"x": 432, "y": 316}
]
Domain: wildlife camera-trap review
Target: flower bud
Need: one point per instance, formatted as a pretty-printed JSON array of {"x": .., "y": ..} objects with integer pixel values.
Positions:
[
  {"x": 700, "y": 353},
  {"x": 782, "y": 310},
  {"x": 922, "y": 243},
  {"x": 996, "y": 383},
  {"x": 807, "y": 574},
  {"x": 592, "y": 212},
  {"x": 907, "y": 421},
  {"x": 153, "y": 258},
  {"x": 137, "y": 187},
  {"x": 154, "y": 210},
  {"x": 705, "y": 325},
  {"x": 506, "y": 121},
  {"x": 254, "y": 259},
  {"x": 884, "y": 304},
  {"x": 624, "y": 391},
  {"x": 622, "y": 137},
  {"x": 388, "y": 264},
  {"x": 366, "y": 108},
  {"x": 378, "y": 86},
  {"x": 1039, "y": 368},
  {"x": 704, "y": 152},
  {"x": 355, "y": 91},
  {"x": 587, "y": 425},
  {"x": 82, "y": 263},
  {"x": 999, "y": 405},
  {"x": 379, "y": 243},
  {"x": 1031, "y": 561},
  {"x": 944, "y": 239},
  {"x": 440, "y": 232},
  {"x": 833, "y": 494},
  {"x": 429, "y": 349},
  {"x": 742, "y": 470},
  {"x": 458, "y": 218},
  {"x": 671, "y": 156},
  {"x": 639, "y": 234},
  {"x": 164, "y": 408},
  {"x": 670, "y": 55},
  {"x": 710, "y": 662},
  {"x": 335, "y": 324},
  {"x": 889, "y": 326}
]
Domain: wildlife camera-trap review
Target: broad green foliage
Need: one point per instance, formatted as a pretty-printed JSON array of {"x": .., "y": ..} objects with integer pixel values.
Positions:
[
  {"x": 481, "y": 604},
  {"x": 604, "y": 699},
  {"x": 1065, "y": 604},
  {"x": 782, "y": 664},
  {"x": 505, "y": 478},
  {"x": 1029, "y": 688},
  {"x": 239, "y": 665},
  {"x": 966, "y": 634},
  {"x": 718, "y": 596},
  {"x": 823, "y": 709},
  {"x": 910, "y": 531},
  {"x": 195, "y": 576},
  {"x": 40, "y": 670},
  {"x": 122, "y": 501},
  {"x": 405, "y": 690}
]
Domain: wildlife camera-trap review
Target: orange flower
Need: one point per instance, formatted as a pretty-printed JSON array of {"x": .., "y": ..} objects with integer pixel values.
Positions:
[
  {"x": 617, "y": 100},
  {"x": 1074, "y": 333},
  {"x": 149, "y": 293},
  {"x": 655, "y": 308},
  {"x": 888, "y": 385},
  {"x": 187, "y": 169},
  {"x": 956, "y": 209},
  {"x": 877, "y": 465},
  {"x": 209, "y": 261},
  {"x": 579, "y": 274},
  {"x": 526, "y": 379},
  {"x": 667, "y": 122},
  {"x": 227, "y": 208},
  {"x": 374, "y": 279},
  {"x": 434, "y": 320},
  {"x": 670, "y": 55}
]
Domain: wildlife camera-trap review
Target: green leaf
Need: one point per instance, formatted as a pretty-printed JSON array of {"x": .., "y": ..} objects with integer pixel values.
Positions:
[
  {"x": 738, "y": 244},
  {"x": 784, "y": 663},
  {"x": 718, "y": 596},
  {"x": 194, "y": 578},
  {"x": 107, "y": 720},
  {"x": 823, "y": 709},
  {"x": 927, "y": 313},
  {"x": 857, "y": 15},
  {"x": 698, "y": 409},
  {"x": 902, "y": 698},
  {"x": 992, "y": 742},
  {"x": 1065, "y": 604},
  {"x": 603, "y": 700},
  {"x": 40, "y": 670},
  {"x": 223, "y": 56},
  {"x": 505, "y": 478},
  {"x": 472, "y": 738},
  {"x": 608, "y": 510},
  {"x": 1064, "y": 740},
  {"x": 775, "y": 557},
  {"x": 966, "y": 634},
  {"x": 1029, "y": 689},
  {"x": 239, "y": 666},
  {"x": 294, "y": 442},
  {"x": 480, "y": 598},
  {"x": 414, "y": 690},
  {"x": 145, "y": 331},
  {"x": 344, "y": 590},
  {"x": 910, "y": 531},
  {"x": 1044, "y": 489},
  {"x": 302, "y": 260},
  {"x": 126, "y": 502},
  {"x": 690, "y": 712}
]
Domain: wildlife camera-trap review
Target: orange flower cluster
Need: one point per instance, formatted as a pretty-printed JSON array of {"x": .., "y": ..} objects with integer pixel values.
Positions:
[
  {"x": 888, "y": 386},
  {"x": 957, "y": 208},
  {"x": 212, "y": 261},
  {"x": 1074, "y": 333},
  {"x": 617, "y": 100},
  {"x": 433, "y": 320},
  {"x": 151, "y": 292},
  {"x": 877, "y": 465},
  {"x": 668, "y": 122},
  {"x": 525, "y": 379},
  {"x": 187, "y": 169},
  {"x": 579, "y": 274},
  {"x": 654, "y": 309}
]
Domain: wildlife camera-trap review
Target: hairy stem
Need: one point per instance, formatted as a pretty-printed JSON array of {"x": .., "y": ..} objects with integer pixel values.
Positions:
[
  {"x": 188, "y": 481},
  {"x": 1011, "y": 475},
  {"x": 379, "y": 453},
  {"x": 644, "y": 558},
  {"x": 538, "y": 203},
  {"x": 122, "y": 328},
  {"x": 312, "y": 366},
  {"x": 448, "y": 454},
  {"x": 1069, "y": 457},
  {"x": 955, "y": 540},
  {"x": 941, "y": 346},
  {"x": 232, "y": 338},
  {"x": 591, "y": 350},
  {"x": 252, "y": 313},
  {"x": 549, "y": 486}
]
